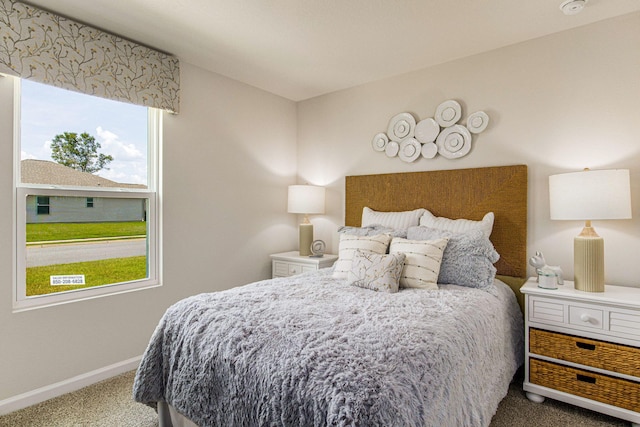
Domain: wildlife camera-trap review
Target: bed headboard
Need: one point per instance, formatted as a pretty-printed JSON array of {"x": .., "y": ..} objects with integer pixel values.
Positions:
[{"x": 461, "y": 193}]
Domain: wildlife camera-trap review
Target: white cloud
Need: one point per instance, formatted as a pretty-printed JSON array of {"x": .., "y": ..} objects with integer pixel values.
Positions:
[
  {"x": 24, "y": 155},
  {"x": 42, "y": 152},
  {"x": 129, "y": 164},
  {"x": 120, "y": 150}
]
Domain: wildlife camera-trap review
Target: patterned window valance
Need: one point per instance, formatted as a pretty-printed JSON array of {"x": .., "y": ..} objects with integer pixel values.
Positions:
[{"x": 39, "y": 45}]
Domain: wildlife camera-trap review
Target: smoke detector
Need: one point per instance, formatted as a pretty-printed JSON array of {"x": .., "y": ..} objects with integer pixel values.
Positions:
[{"x": 573, "y": 7}]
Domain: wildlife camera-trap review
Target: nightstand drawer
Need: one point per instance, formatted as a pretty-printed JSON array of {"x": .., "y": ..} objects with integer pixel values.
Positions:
[
  {"x": 602, "y": 388},
  {"x": 608, "y": 321},
  {"x": 284, "y": 269},
  {"x": 617, "y": 358},
  {"x": 545, "y": 310},
  {"x": 586, "y": 317},
  {"x": 299, "y": 268},
  {"x": 280, "y": 269},
  {"x": 291, "y": 263},
  {"x": 627, "y": 323}
]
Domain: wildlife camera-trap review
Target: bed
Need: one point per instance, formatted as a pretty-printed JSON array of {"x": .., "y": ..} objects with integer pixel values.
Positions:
[{"x": 313, "y": 350}]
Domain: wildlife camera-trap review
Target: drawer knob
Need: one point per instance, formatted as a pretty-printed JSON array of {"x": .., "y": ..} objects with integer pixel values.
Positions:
[{"x": 585, "y": 317}]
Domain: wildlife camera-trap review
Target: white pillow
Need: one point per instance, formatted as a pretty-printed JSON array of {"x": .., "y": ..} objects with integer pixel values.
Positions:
[
  {"x": 396, "y": 220},
  {"x": 421, "y": 263},
  {"x": 348, "y": 246},
  {"x": 458, "y": 225},
  {"x": 377, "y": 272}
]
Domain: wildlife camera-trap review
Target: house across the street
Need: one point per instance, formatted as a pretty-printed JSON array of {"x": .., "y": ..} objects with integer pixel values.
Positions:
[{"x": 76, "y": 209}]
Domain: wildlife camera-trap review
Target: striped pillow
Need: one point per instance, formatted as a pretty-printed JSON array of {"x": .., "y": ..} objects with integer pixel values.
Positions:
[
  {"x": 348, "y": 246},
  {"x": 458, "y": 225},
  {"x": 396, "y": 220},
  {"x": 422, "y": 261}
]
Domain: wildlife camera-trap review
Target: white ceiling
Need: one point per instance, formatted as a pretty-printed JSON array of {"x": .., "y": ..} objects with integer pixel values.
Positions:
[{"x": 303, "y": 48}]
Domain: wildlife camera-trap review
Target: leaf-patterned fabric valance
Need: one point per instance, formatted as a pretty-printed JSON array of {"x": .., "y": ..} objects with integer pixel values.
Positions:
[{"x": 39, "y": 45}]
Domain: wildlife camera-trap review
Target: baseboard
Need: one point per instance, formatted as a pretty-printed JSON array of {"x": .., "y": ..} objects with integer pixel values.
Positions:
[{"x": 67, "y": 386}]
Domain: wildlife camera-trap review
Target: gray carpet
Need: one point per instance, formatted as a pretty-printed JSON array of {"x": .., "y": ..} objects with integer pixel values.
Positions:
[
  {"x": 105, "y": 404},
  {"x": 109, "y": 404}
]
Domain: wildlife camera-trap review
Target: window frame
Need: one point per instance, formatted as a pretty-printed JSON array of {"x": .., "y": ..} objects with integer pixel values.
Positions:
[{"x": 153, "y": 218}]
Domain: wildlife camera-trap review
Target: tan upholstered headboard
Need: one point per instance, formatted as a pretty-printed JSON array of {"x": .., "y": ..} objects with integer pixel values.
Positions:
[{"x": 461, "y": 193}]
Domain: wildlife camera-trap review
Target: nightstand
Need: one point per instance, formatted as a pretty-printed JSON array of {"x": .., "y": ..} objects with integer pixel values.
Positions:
[
  {"x": 290, "y": 263},
  {"x": 583, "y": 348}
]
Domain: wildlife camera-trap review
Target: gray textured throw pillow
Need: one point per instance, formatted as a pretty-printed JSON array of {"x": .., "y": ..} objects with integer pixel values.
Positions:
[{"x": 468, "y": 257}]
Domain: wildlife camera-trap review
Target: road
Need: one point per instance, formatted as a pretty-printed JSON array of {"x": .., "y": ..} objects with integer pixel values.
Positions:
[{"x": 79, "y": 252}]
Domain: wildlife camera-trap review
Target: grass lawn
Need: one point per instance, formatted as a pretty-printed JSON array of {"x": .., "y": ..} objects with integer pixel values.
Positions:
[
  {"x": 44, "y": 232},
  {"x": 97, "y": 273}
]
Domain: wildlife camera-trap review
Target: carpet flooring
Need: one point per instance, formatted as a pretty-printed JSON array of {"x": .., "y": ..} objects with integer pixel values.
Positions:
[{"x": 109, "y": 404}]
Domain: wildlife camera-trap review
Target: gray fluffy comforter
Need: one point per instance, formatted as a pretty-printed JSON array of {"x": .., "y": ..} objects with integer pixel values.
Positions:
[{"x": 310, "y": 350}]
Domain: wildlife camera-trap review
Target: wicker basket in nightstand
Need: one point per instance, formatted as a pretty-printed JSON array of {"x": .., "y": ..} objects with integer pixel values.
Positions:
[{"x": 602, "y": 388}]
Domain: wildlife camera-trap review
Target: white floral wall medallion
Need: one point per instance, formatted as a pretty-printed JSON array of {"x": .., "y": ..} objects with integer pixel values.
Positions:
[
  {"x": 379, "y": 142},
  {"x": 392, "y": 149},
  {"x": 429, "y": 150},
  {"x": 477, "y": 122},
  {"x": 401, "y": 126},
  {"x": 441, "y": 134},
  {"x": 448, "y": 113},
  {"x": 427, "y": 130},
  {"x": 454, "y": 142},
  {"x": 410, "y": 149}
]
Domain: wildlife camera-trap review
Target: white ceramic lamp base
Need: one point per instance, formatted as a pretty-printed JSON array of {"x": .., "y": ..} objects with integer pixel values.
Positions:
[{"x": 306, "y": 238}]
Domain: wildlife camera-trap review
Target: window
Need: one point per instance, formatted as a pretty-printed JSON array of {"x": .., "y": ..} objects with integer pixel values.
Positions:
[
  {"x": 42, "y": 205},
  {"x": 86, "y": 178}
]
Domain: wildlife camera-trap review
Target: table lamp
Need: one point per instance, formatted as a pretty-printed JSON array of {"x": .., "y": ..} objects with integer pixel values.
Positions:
[
  {"x": 590, "y": 195},
  {"x": 306, "y": 199}
]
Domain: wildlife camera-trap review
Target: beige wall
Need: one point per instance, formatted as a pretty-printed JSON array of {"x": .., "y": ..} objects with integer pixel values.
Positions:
[
  {"x": 559, "y": 103},
  {"x": 228, "y": 158}
]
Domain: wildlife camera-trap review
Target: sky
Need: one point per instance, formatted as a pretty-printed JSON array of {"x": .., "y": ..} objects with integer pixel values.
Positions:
[{"x": 120, "y": 128}]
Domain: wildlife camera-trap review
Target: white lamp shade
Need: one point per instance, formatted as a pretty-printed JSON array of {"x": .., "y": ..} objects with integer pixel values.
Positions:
[
  {"x": 590, "y": 195},
  {"x": 306, "y": 199}
]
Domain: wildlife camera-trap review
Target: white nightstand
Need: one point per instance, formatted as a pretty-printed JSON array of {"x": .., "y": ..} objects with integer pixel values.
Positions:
[
  {"x": 290, "y": 263},
  {"x": 583, "y": 348}
]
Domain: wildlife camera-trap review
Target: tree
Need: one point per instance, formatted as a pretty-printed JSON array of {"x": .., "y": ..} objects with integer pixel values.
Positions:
[{"x": 79, "y": 152}]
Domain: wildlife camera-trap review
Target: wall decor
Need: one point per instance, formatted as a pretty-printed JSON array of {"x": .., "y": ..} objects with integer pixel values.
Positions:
[
  {"x": 401, "y": 126},
  {"x": 410, "y": 149},
  {"x": 477, "y": 122},
  {"x": 379, "y": 141},
  {"x": 392, "y": 149},
  {"x": 408, "y": 138},
  {"x": 448, "y": 113},
  {"x": 427, "y": 130},
  {"x": 454, "y": 142},
  {"x": 429, "y": 150}
]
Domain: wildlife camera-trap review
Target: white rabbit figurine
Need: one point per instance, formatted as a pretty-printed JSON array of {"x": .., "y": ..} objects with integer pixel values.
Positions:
[{"x": 543, "y": 269}]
